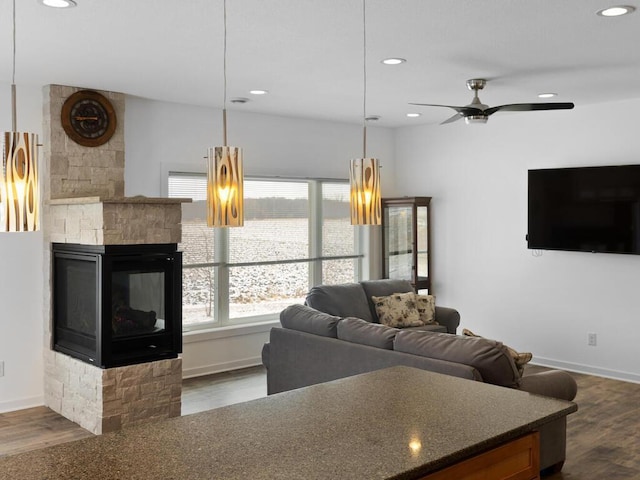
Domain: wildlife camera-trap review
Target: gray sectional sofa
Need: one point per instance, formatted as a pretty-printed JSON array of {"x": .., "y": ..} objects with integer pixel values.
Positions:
[{"x": 314, "y": 346}]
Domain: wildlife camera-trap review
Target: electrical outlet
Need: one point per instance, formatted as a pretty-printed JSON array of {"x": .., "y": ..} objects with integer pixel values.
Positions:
[
  {"x": 1, "y": 368},
  {"x": 592, "y": 339}
]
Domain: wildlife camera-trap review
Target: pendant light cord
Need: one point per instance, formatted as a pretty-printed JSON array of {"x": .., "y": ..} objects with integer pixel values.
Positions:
[
  {"x": 224, "y": 70},
  {"x": 13, "y": 75},
  {"x": 364, "y": 75}
]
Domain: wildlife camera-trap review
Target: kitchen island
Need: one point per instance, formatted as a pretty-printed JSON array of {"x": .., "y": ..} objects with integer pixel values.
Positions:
[{"x": 397, "y": 423}]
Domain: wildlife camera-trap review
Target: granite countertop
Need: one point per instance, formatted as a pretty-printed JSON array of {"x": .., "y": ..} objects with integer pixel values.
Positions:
[{"x": 398, "y": 423}]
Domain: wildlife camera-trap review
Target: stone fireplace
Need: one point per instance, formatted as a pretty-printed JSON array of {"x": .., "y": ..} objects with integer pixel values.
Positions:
[
  {"x": 101, "y": 375},
  {"x": 117, "y": 305}
]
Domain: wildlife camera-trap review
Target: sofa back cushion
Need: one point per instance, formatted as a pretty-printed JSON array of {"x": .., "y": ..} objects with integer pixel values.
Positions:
[
  {"x": 306, "y": 319},
  {"x": 359, "y": 331},
  {"x": 489, "y": 357},
  {"x": 344, "y": 300},
  {"x": 382, "y": 288}
]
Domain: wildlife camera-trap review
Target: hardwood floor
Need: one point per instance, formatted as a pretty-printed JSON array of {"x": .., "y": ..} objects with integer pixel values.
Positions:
[
  {"x": 603, "y": 436},
  {"x": 41, "y": 427},
  {"x": 214, "y": 391},
  {"x": 33, "y": 428}
]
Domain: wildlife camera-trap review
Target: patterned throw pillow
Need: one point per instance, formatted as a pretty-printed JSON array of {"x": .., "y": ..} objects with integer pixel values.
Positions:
[
  {"x": 426, "y": 305},
  {"x": 398, "y": 310},
  {"x": 520, "y": 358}
]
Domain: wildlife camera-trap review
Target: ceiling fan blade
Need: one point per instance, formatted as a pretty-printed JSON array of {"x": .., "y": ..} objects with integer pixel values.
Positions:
[
  {"x": 465, "y": 111},
  {"x": 454, "y": 118},
  {"x": 528, "y": 107},
  {"x": 457, "y": 109}
]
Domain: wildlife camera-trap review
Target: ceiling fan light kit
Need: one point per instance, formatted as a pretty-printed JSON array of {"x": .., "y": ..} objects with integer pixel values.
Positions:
[{"x": 478, "y": 112}]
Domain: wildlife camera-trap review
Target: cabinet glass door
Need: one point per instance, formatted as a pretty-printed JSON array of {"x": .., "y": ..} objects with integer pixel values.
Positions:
[
  {"x": 399, "y": 242},
  {"x": 422, "y": 224}
]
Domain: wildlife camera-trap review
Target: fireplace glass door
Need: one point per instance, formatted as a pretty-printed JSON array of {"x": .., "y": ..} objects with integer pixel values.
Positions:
[
  {"x": 137, "y": 301},
  {"x": 76, "y": 304}
]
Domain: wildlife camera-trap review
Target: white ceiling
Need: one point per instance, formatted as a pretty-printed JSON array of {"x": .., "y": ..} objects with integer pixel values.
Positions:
[{"x": 308, "y": 53}]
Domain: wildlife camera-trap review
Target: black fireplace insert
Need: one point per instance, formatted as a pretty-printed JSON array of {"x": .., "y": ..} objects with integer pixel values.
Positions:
[{"x": 116, "y": 305}]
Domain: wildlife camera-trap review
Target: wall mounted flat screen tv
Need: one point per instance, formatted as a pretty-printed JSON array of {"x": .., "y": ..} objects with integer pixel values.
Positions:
[{"x": 588, "y": 209}]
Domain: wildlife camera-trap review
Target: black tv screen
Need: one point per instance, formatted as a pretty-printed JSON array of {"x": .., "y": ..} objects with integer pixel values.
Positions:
[{"x": 588, "y": 209}]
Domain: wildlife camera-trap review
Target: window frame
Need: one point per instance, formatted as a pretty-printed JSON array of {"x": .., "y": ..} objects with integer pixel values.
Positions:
[{"x": 221, "y": 264}]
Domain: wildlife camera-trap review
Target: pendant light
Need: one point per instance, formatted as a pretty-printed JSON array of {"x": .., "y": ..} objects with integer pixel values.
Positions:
[
  {"x": 19, "y": 189},
  {"x": 224, "y": 169},
  {"x": 364, "y": 176}
]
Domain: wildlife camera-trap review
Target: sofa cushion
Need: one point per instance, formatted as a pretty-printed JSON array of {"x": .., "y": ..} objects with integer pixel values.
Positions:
[
  {"x": 426, "y": 305},
  {"x": 490, "y": 358},
  {"x": 356, "y": 330},
  {"x": 382, "y": 288},
  {"x": 344, "y": 300},
  {"x": 398, "y": 310},
  {"x": 432, "y": 327},
  {"x": 306, "y": 319},
  {"x": 520, "y": 358}
]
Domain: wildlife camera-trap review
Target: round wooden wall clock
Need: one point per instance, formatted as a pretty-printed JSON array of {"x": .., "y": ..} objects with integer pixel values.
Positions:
[{"x": 88, "y": 118}]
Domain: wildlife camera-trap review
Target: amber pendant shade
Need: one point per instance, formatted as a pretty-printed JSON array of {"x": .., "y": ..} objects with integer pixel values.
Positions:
[
  {"x": 366, "y": 208},
  {"x": 19, "y": 186},
  {"x": 225, "y": 187}
]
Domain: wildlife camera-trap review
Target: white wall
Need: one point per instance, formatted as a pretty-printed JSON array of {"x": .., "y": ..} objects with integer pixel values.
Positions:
[
  {"x": 21, "y": 327},
  {"x": 158, "y": 135},
  {"x": 477, "y": 176}
]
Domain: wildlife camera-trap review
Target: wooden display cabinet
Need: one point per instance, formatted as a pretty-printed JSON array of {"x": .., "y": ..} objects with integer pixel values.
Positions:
[{"x": 406, "y": 242}]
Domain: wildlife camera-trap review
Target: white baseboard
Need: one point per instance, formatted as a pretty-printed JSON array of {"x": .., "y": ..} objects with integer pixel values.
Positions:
[
  {"x": 587, "y": 369},
  {"x": 221, "y": 367},
  {"x": 22, "y": 403}
]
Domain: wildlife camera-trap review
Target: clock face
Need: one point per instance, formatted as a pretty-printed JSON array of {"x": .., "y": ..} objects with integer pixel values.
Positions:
[{"x": 88, "y": 118}]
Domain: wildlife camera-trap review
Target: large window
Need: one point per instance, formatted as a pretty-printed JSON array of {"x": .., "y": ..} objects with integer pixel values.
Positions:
[{"x": 296, "y": 234}]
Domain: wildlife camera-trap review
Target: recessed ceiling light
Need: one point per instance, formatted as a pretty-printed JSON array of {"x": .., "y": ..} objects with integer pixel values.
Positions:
[
  {"x": 372, "y": 118},
  {"x": 616, "y": 11},
  {"x": 59, "y": 3},
  {"x": 239, "y": 100},
  {"x": 258, "y": 92},
  {"x": 393, "y": 61},
  {"x": 413, "y": 115},
  {"x": 547, "y": 95}
]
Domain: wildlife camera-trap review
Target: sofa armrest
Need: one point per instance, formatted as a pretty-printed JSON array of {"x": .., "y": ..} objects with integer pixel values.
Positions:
[
  {"x": 449, "y": 317},
  {"x": 554, "y": 383}
]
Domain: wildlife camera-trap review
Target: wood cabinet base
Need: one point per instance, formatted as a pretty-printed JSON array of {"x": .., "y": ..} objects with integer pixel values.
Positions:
[{"x": 516, "y": 460}]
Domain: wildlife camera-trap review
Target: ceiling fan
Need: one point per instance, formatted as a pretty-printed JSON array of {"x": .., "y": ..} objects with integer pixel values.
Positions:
[{"x": 478, "y": 112}]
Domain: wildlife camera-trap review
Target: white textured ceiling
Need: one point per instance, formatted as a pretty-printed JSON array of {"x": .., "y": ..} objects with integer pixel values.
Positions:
[{"x": 308, "y": 53}]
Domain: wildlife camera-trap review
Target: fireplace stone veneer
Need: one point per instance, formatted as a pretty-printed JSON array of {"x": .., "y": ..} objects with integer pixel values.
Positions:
[
  {"x": 105, "y": 400},
  {"x": 84, "y": 203}
]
